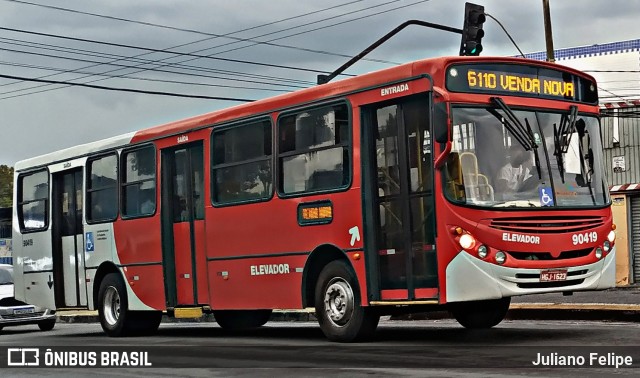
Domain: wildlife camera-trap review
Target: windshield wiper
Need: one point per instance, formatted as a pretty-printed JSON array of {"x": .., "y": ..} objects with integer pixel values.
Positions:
[
  {"x": 562, "y": 137},
  {"x": 513, "y": 124},
  {"x": 524, "y": 135},
  {"x": 534, "y": 148}
]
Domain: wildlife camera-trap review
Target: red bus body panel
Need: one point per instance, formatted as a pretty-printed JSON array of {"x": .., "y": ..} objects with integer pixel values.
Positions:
[{"x": 233, "y": 242}]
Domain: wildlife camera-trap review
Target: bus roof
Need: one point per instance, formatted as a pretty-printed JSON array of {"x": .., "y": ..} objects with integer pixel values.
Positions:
[{"x": 433, "y": 66}]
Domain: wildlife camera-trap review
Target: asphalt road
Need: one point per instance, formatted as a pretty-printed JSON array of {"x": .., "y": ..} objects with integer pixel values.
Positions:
[{"x": 400, "y": 348}]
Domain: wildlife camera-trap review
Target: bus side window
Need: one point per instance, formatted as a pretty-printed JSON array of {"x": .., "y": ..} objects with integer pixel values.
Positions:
[
  {"x": 138, "y": 186},
  {"x": 102, "y": 188}
]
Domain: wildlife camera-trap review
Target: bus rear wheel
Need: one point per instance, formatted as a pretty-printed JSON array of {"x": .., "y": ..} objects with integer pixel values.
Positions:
[
  {"x": 242, "y": 319},
  {"x": 115, "y": 319},
  {"x": 339, "y": 311},
  {"x": 480, "y": 314}
]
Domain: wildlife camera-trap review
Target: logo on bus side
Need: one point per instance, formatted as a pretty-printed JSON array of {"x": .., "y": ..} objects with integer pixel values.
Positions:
[
  {"x": 519, "y": 238},
  {"x": 183, "y": 138},
  {"x": 393, "y": 90},
  {"x": 258, "y": 270}
]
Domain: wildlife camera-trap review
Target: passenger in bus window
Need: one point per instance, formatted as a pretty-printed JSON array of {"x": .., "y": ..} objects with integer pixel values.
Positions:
[
  {"x": 148, "y": 205},
  {"x": 515, "y": 172}
]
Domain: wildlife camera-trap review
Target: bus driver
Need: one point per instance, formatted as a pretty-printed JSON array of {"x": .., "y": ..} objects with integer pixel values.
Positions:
[{"x": 513, "y": 175}]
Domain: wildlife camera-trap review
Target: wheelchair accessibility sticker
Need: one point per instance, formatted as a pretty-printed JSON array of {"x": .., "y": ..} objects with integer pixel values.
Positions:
[
  {"x": 89, "y": 246},
  {"x": 546, "y": 196}
]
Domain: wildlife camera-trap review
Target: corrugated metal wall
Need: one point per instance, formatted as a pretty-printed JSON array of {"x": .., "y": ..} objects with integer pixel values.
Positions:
[{"x": 629, "y": 147}]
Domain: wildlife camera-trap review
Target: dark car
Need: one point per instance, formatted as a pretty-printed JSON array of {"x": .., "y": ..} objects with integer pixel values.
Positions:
[{"x": 14, "y": 312}]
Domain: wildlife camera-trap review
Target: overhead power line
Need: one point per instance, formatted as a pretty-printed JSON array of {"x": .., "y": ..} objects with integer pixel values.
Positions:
[
  {"x": 158, "y": 70},
  {"x": 505, "y": 32},
  {"x": 176, "y": 28},
  {"x": 124, "y": 89},
  {"x": 337, "y": 24},
  {"x": 215, "y": 36},
  {"x": 162, "y": 51},
  {"x": 45, "y": 68},
  {"x": 82, "y": 52},
  {"x": 612, "y": 71},
  {"x": 186, "y": 44}
]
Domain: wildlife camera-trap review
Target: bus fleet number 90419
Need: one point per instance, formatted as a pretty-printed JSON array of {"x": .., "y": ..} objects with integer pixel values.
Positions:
[{"x": 587, "y": 237}]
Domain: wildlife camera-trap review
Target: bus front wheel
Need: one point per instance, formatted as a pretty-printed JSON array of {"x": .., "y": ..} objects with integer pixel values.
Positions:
[
  {"x": 480, "y": 314},
  {"x": 115, "y": 319},
  {"x": 338, "y": 307}
]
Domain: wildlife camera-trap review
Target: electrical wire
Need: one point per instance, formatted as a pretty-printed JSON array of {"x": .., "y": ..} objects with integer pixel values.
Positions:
[
  {"x": 206, "y": 39},
  {"x": 45, "y": 68},
  {"x": 124, "y": 89},
  {"x": 125, "y": 66},
  {"x": 506, "y": 32},
  {"x": 176, "y": 28},
  {"x": 232, "y": 33},
  {"x": 70, "y": 50},
  {"x": 163, "y": 51}
]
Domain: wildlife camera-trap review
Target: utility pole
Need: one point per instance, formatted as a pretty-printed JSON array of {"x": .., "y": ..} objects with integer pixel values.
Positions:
[{"x": 547, "y": 30}]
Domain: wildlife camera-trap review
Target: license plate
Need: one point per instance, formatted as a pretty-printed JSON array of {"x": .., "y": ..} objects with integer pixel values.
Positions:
[
  {"x": 20, "y": 311},
  {"x": 553, "y": 275}
]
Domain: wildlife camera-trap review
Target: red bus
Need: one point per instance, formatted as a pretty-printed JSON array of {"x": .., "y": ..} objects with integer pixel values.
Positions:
[{"x": 451, "y": 183}]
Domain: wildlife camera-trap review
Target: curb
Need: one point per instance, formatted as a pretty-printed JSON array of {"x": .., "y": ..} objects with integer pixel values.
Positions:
[
  {"x": 552, "y": 311},
  {"x": 276, "y": 316},
  {"x": 517, "y": 311}
]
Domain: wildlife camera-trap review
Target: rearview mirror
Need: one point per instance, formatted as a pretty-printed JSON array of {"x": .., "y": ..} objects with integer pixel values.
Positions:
[{"x": 440, "y": 123}]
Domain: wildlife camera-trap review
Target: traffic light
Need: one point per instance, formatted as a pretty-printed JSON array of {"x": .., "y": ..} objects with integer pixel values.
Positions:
[{"x": 472, "y": 32}]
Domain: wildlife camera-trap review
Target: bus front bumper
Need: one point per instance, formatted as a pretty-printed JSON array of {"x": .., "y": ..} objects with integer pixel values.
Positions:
[{"x": 469, "y": 279}]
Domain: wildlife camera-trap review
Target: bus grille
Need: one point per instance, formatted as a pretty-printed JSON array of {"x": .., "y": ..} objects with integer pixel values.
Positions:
[
  {"x": 546, "y": 225},
  {"x": 564, "y": 255},
  {"x": 546, "y": 285},
  {"x": 23, "y": 316}
]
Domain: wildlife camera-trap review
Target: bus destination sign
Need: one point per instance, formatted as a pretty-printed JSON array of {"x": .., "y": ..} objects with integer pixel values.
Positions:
[{"x": 518, "y": 80}]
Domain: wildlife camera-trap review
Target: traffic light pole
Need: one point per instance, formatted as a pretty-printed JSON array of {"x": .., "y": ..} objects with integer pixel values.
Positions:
[
  {"x": 547, "y": 31},
  {"x": 322, "y": 79}
]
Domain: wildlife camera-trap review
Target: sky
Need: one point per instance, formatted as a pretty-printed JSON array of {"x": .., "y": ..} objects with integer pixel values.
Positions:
[{"x": 303, "y": 38}]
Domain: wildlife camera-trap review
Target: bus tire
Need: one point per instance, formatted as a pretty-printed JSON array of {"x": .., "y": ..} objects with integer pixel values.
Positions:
[
  {"x": 480, "y": 314},
  {"x": 115, "y": 319},
  {"x": 340, "y": 314},
  {"x": 47, "y": 325},
  {"x": 241, "y": 319}
]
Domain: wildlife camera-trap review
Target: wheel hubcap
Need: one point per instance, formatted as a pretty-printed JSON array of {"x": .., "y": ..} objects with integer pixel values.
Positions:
[
  {"x": 338, "y": 301},
  {"x": 111, "y": 307}
]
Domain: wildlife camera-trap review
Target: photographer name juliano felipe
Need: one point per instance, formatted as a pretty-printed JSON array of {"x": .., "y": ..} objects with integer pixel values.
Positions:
[{"x": 592, "y": 359}]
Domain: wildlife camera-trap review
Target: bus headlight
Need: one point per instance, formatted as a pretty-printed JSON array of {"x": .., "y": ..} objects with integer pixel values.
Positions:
[
  {"x": 599, "y": 251},
  {"x": 483, "y": 251},
  {"x": 606, "y": 245},
  {"x": 501, "y": 257},
  {"x": 612, "y": 236},
  {"x": 467, "y": 241}
]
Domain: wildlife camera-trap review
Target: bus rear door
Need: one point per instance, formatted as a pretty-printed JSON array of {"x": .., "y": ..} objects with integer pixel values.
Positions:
[
  {"x": 68, "y": 241},
  {"x": 399, "y": 213},
  {"x": 183, "y": 225}
]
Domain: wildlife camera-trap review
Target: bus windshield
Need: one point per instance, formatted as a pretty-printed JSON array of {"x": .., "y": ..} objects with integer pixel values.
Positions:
[{"x": 525, "y": 158}]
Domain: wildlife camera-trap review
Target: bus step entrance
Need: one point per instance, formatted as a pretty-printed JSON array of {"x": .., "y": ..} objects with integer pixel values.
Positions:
[{"x": 187, "y": 312}]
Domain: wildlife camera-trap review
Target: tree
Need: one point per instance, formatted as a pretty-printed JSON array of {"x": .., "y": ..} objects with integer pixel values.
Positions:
[{"x": 6, "y": 186}]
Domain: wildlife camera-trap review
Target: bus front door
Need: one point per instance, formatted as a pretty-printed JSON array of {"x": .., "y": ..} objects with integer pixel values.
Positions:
[
  {"x": 398, "y": 177},
  {"x": 183, "y": 225},
  {"x": 68, "y": 240}
]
